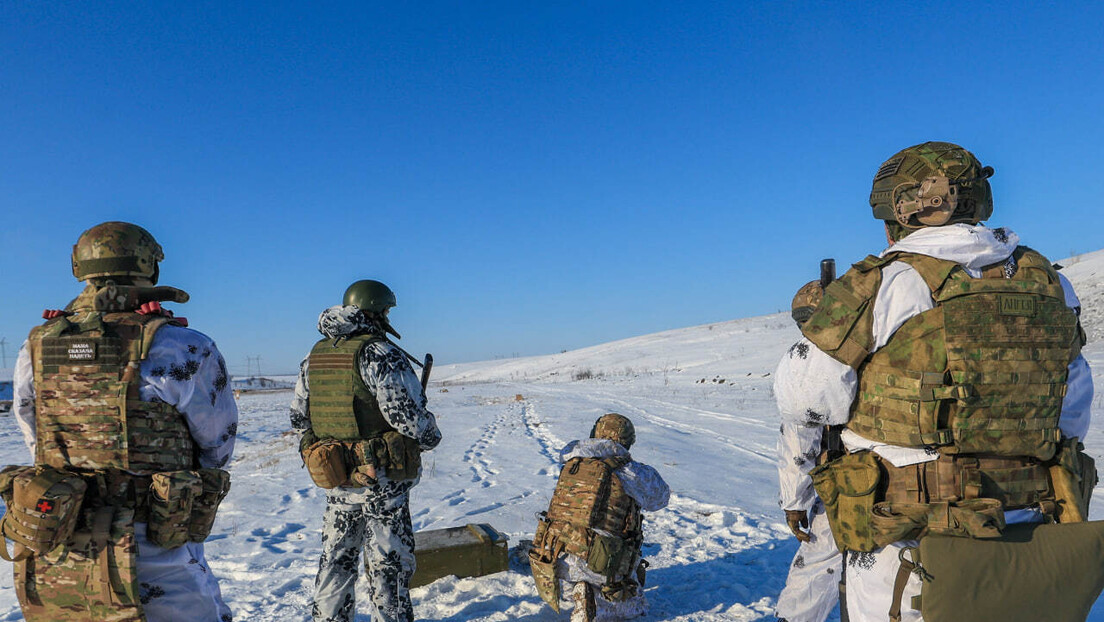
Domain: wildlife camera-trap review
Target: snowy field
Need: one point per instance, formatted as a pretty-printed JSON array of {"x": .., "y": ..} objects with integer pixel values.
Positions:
[{"x": 702, "y": 403}]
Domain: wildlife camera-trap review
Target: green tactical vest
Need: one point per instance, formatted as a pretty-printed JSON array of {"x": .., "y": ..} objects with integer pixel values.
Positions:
[
  {"x": 87, "y": 408},
  {"x": 983, "y": 372},
  {"x": 340, "y": 404}
]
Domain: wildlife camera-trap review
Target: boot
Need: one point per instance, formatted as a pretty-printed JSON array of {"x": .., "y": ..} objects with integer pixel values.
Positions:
[{"x": 583, "y": 597}]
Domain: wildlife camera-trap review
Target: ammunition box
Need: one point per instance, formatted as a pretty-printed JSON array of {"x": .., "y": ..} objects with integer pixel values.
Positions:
[{"x": 469, "y": 551}]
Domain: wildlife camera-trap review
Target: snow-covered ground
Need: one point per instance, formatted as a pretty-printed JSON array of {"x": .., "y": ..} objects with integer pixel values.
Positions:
[{"x": 702, "y": 403}]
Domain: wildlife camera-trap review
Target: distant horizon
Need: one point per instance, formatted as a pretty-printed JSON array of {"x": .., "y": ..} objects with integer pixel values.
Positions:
[{"x": 526, "y": 178}]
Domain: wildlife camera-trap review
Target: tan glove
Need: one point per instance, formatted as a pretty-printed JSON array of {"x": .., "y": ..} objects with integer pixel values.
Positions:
[{"x": 798, "y": 519}]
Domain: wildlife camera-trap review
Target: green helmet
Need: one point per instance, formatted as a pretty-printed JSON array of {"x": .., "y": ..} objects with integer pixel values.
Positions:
[
  {"x": 372, "y": 297},
  {"x": 116, "y": 249},
  {"x": 616, "y": 428},
  {"x": 932, "y": 184}
]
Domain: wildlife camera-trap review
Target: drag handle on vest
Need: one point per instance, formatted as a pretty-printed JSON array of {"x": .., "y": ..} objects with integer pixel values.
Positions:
[
  {"x": 827, "y": 272},
  {"x": 427, "y": 367}
]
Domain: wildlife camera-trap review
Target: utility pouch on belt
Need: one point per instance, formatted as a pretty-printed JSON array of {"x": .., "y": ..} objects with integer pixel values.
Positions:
[
  {"x": 43, "y": 506},
  {"x": 1032, "y": 572},
  {"x": 327, "y": 463},
  {"x": 974, "y": 518},
  {"x": 172, "y": 495},
  {"x": 848, "y": 486},
  {"x": 1073, "y": 476},
  {"x": 542, "y": 561},
  {"x": 403, "y": 457},
  {"x": 216, "y": 483},
  {"x": 609, "y": 556}
]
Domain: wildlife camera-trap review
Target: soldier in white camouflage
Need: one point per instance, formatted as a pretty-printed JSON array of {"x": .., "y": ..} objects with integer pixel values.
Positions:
[
  {"x": 362, "y": 414},
  {"x": 812, "y": 585},
  {"x": 953, "y": 361},
  {"x": 591, "y": 536},
  {"x": 140, "y": 484}
]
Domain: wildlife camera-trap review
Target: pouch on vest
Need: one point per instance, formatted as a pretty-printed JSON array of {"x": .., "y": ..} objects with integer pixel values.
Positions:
[
  {"x": 973, "y": 518},
  {"x": 403, "y": 457},
  {"x": 172, "y": 495},
  {"x": 1033, "y": 572},
  {"x": 848, "y": 486},
  {"x": 1073, "y": 476},
  {"x": 43, "y": 507},
  {"x": 97, "y": 569},
  {"x": 327, "y": 463},
  {"x": 216, "y": 484},
  {"x": 542, "y": 561},
  {"x": 609, "y": 556}
]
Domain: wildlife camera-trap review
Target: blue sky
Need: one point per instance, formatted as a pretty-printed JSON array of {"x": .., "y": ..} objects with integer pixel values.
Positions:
[{"x": 528, "y": 177}]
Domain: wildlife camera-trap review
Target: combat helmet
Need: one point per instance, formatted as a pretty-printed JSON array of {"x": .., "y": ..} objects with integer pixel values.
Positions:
[
  {"x": 116, "y": 250},
  {"x": 374, "y": 299},
  {"x": 616, "y": 428},
  {"x": 806, "y": 301},
  {"x": 932, "y": 184}
]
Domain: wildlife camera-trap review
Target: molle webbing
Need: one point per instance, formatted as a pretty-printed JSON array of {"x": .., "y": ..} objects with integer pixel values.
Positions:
[
  {"x": 340, "y": 404},
  {"x": 1015, "y": 482},
  {"x": 89, "y": 414},
  {"x": 589, "y": 496},
  {"x": 982, "y": 372}
]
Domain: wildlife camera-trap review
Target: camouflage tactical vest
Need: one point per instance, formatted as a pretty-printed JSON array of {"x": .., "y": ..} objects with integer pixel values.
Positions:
[
  {"x": 983, "y": 372},
  {"x": 88, "y": 412},
  {"x": 590, "y": 499},
  {"x": 340, "y": 405}
]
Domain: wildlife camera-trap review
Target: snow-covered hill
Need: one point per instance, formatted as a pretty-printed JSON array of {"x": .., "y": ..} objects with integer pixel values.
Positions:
[
  {"x": 1086, "y": 272},
  {"x": 701, "y": 399}
]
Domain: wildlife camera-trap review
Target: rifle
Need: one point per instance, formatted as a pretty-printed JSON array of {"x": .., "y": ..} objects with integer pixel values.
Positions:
[{"x": 827, "y": 272}]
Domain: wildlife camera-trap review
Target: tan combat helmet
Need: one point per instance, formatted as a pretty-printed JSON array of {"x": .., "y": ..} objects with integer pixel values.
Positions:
[
  {"x": 806, "y": 301},
  {"x": 116, "y": 249},
  {"x": 616, "y": 428},
  {"x": 932, "y": 184}
]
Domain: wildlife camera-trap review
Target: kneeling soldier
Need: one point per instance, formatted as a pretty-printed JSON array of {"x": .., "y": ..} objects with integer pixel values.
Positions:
[{"x": 592, "y": 533}]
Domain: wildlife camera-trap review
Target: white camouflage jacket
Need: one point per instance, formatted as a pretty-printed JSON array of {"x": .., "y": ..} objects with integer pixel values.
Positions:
[
  {"x": 185, "y": 369},
  {"x": 388, "y": 375},
  {"x": 814, "y": 389}
]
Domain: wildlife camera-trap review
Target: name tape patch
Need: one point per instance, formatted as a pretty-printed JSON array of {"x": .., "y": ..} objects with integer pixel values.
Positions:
[
  {"x": 82, "y": 351},
  {"x": 1017, "y": 304}
]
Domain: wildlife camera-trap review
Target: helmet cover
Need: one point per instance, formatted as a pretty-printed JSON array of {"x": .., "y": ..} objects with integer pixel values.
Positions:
[
  {"x": 616, "y": 428},
  {"x": 932, "y": 184},
  {"x": 116, "y": 249},
  {"x": 806, "y": 301}
]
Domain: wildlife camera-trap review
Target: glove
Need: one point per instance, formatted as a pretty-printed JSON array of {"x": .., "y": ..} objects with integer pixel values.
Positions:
[{"x": 798, "y": 519}]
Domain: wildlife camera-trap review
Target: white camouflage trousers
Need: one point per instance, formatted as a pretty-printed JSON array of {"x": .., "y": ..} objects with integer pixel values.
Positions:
[
  {"x": 380, "y": 527},
  {"x": 812, "y": 587},
  {"x": 176, "y": 585},
  {"x": 574, "y": 574}
]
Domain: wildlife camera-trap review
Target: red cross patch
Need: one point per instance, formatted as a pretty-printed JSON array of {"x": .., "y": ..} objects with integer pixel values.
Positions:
[{"x": 45, "y": 506}]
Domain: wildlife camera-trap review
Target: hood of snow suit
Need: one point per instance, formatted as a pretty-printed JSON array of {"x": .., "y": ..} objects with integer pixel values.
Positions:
[
  {"x": 593, "y": 448},
  {"x": 972, "y": 246},
  {"x": 343, "y": 321}
]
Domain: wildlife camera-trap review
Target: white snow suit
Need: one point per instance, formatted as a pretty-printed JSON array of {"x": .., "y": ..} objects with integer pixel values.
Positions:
[
  {"x": 375, "y": 519},
  {"x": 643, "y": 484},
  {"x": 812, "y": 585},
  {"x": 815, "y": 389},
  {"x": 185, "y": 369}
]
